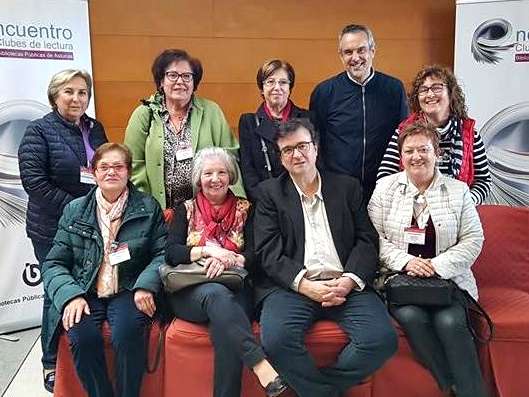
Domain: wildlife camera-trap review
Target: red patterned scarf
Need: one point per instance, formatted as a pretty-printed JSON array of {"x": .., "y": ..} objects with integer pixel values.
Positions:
[{"x": 223, "y": 225}]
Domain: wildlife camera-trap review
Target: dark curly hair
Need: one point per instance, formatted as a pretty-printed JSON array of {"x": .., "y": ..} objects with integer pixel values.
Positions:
[
  {"x": 167, "y": 57},
  {"x": 456, "y": 97}
]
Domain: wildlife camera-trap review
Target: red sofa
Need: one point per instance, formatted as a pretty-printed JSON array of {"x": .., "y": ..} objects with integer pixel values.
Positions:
[{"x": 502, "y": 272}]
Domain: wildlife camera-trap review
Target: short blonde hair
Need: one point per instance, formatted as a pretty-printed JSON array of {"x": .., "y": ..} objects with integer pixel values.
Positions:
[{"x": 63, "y": 77}]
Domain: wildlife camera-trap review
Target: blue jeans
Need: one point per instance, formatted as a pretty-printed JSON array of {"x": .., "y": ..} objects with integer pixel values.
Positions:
[
  {"x": 442, "y": 342},
  {"x": 286, "y": 317},
  {"x": 49, "y": 353},
  {"x": 128, "y": 327},
  {"x": 227, "y": 315}
]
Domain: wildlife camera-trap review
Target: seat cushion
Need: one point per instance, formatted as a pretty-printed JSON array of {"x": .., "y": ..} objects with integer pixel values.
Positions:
[
  {"x": 509, "y": 310},
  {"x": 189, "y": 356}
]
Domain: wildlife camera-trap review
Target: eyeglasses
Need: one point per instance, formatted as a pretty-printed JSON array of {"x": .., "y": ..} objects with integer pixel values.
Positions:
[
  {"x": 272, "y": 83},
  {"x": 421, "y": 150},
  {"x": 173, "y": 76},
  {"x": 118, "y": 168},
  {"x": 436, "y": 88},
  {"x": 302, "y": 147}
]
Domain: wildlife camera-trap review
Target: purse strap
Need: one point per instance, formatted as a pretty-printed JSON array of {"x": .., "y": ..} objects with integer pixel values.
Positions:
[
  {"x": 264, "y": 149},
  {"x": 472, "y": 306}
]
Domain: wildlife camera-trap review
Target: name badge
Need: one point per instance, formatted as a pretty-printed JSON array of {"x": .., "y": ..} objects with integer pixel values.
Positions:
[
  {"x": 414, "y": 235},
  {"x": 184, "y": 153},
  {"x": 87, "y": 176},
  {"x": 119, "y": 254}
]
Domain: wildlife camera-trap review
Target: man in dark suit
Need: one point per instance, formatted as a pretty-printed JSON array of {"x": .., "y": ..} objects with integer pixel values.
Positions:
[{"x": 318, "y": 254}]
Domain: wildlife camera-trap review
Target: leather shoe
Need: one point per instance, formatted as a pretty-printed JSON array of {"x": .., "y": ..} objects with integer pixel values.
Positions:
[
  {"x": 276, "y": 387},
  {"x": 49, "y": 381}
]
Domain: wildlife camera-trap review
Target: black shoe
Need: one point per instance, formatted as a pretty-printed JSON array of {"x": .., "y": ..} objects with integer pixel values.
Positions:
[
  {"x": 276, "y": 387},
  {"x": 49, "y": 381}
]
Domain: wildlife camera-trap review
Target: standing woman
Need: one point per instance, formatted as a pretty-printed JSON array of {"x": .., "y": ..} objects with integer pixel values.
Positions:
[
  {"x": 437, "y": 98},
  {"x": 259, "y": 158},
  {"x": 167, "y": 130},
  {"x": 55, "y": 156}
]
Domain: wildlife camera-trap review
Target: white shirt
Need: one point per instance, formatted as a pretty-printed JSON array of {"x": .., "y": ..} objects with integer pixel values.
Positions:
[{"x": 321, "y": 259}]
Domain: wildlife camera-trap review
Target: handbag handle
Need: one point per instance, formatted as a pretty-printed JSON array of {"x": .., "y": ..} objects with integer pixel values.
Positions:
[
  {"x": 477, "y": 309},
  {"x": 264, "y": 149}
]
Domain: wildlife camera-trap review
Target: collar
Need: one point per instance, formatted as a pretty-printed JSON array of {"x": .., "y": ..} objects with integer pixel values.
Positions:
[
  {"x": 406, "y": 186},
  {"x": 369, "y": 78},
  {"x": 303, "y": 195}
]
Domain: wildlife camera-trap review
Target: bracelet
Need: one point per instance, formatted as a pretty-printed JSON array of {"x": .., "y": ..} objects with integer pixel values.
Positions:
[{"x": 202, "y": 251}]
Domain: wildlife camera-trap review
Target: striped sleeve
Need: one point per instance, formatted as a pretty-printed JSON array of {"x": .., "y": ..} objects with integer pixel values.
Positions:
[
  {"x": 390, "y": 163},
  {"x": 480, "y": 188}
]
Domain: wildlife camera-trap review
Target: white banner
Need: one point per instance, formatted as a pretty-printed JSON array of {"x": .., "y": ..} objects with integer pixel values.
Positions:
[
  {"x": 492, "y": 63},
  {"x": 37, "y": 39}
]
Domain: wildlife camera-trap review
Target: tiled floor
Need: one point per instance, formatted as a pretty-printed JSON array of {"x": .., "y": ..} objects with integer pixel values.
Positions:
[{"x": 20, "y": 367}]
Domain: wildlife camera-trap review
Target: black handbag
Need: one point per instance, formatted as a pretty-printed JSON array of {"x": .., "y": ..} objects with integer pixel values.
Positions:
[
  {"x": 402, "y": 289},
  {"x": 176, "y": 278}
]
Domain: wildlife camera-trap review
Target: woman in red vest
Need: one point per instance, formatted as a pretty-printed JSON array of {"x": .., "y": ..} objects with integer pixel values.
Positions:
[{"x": 437, "y": 98}]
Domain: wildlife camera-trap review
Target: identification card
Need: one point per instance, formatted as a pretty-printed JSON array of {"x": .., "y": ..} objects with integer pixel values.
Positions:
[
  {"x": 87, "y": 176},
  {"x": 119, "y": 254},
  {"x": 184, "y": 153},
  {"x": 414, "y": 235}
]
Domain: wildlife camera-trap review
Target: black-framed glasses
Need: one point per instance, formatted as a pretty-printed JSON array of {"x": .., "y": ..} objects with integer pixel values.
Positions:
[
  {"x": 173, "y": 76},
  {"x": 302, "y": 147},
  {"x": 436, "y": 88}
]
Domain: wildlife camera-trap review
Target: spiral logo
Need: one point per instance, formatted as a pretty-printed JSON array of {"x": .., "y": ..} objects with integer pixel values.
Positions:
[
  {"x": 490, "y": 39},
  {"x": 31, "y": 275}
]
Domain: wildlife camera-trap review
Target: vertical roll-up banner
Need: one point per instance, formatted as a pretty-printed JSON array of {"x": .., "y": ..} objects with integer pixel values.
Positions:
[
  {"x": 492, "y": 63},
  {"x": 37, "y": 39}
]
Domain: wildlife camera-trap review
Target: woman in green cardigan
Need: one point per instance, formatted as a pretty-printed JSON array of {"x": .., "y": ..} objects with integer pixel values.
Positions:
[{"x": 167, "y": 130}]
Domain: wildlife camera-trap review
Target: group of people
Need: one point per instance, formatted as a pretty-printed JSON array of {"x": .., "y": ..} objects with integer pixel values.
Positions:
[{"x": 301, "y": 210}]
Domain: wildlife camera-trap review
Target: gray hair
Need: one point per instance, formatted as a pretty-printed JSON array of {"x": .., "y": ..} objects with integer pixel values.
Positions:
[
  {"x": 63, "y": 77},
  {"x": 353, "y": 28},
  {"x": 213, "y": 152}
]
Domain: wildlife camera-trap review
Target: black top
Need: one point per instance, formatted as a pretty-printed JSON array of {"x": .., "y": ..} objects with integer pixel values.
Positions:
[
  {"x": 427, "y": 250},
  {"x": 253, "y": 163}
]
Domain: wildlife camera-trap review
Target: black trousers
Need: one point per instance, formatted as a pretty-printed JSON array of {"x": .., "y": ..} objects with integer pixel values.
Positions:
[
  {"x": 128, "y": 327},
  {"x": 227, "y": 315},
  {"x": 442, "y": 342}
]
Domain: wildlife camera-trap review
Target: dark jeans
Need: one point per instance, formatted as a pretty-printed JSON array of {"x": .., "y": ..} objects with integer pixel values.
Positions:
[
  {"x": 442, "y": 342},
  {"x": 287, "y": 316},
  {"x": 227, "y": 315},
  {"x": 128, "y": 327},
  {"x": 49, "y": 353}
]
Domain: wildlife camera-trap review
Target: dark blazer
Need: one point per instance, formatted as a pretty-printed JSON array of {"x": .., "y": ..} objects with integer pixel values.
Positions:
[
  {"x": 279, "y": 230},
  {"x": 253, "y": 163}
]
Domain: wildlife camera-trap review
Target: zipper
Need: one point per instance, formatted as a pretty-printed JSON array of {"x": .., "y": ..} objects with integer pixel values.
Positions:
[{"x": 364, "y": 138}]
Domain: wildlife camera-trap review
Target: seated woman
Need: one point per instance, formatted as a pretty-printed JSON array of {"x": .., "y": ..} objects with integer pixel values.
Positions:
[
  {"x": 103, "y": 265},
  {"x": 214, "y": 227},
  {"x": 441, "y": 211},
  {"x": 437, "y": 98},
  {"x": 259, "y": 158}
]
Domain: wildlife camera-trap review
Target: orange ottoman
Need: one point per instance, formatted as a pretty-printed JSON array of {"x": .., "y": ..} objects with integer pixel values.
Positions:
[
  {"x": 189, "y": 359},
  {"x": 67, "y": 383}
]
